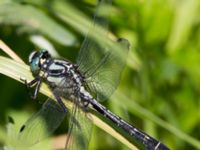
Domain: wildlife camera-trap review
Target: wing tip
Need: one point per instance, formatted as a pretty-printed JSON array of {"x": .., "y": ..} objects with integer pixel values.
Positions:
[{"x": 124, "y": 42}]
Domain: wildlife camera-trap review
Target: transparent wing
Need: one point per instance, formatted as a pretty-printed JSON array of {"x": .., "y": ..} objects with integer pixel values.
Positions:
[
  {"x": 41, "y": 124},
  {"x": 104, "y": 77},
  {"x": 90, "y": 52},
  {"x": 101, "y": 65},
  {"x": 46, "y": 121},
  {"x": 80, "y": 128}
]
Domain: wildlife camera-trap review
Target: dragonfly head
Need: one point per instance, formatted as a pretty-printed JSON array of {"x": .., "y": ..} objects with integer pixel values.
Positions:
[{"x": 37, "y": 59}]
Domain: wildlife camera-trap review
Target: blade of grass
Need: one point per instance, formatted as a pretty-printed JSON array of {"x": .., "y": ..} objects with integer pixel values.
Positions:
[
  {"x": 10, "y": 52},
  {"x": 29, "y": 18}
]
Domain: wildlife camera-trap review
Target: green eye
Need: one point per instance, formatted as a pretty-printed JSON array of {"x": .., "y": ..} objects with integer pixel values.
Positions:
[
  {"x": 31, "y": 56},
  {"x": 35, "y": 66}
]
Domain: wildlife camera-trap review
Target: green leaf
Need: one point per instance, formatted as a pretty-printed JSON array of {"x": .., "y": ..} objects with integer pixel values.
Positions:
[
  {"x": 31, "y": 19},
  {"x": 183, "y": 22}
]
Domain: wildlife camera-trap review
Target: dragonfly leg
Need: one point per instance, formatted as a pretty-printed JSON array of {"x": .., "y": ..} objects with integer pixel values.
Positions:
[
  {"x": 35, "y": 82},
  {"x": 37, "y": 88},
  {"x": 60, "y": 102}
]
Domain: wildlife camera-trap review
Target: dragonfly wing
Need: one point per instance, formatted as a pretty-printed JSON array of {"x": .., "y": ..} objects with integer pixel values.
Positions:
[
  {"x": 100, "y": 65},
  {"x": 106, "y": 74},
  {"x": 79, "y": 130},
  {"x": 90, "y": 52},
  {"x": 41, "y": 124}
]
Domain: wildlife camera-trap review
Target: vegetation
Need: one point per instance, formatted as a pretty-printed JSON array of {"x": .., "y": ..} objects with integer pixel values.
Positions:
[{"x": 159, "y": 90}]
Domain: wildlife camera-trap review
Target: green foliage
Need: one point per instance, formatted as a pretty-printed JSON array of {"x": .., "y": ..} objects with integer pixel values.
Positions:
[
  {"x": 162, "y": 76},
  {"x": 33, "y": 20}
]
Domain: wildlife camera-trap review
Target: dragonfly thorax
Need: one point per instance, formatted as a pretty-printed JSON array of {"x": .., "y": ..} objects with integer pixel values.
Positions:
[{"x": 61, "y": 76}]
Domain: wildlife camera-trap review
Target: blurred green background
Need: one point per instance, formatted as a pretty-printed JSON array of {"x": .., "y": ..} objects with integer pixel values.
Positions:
[{"x": 161, "y": 81}]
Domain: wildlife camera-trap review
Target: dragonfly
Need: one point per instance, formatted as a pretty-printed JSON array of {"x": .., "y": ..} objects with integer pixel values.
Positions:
[{"x": 93, "y": 78}]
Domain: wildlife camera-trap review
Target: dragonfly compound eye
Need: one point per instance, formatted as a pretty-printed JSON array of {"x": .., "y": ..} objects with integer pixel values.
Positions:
[
  {"x": 35, "y": 65},
  {"x": 34, "y": 60},
  {"x": 32, "y": 56}
]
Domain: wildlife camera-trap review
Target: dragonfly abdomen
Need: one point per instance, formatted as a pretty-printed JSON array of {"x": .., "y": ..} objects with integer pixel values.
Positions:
[{"x": 148, "y": 142}]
